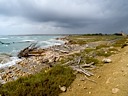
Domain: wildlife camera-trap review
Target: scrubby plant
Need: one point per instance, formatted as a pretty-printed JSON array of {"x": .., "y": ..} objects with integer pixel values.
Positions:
[
  {"x": 103, "y": 53},
  {"x": 120, "y": 42},
  {"x": 88, "y": 50},
  {"x": 102, "y": 46},
  {"x": 91, "y": 59},
  {"x": 40, "y": 84}
]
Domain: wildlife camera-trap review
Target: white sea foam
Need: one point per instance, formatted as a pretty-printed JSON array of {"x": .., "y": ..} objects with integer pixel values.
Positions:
[
  {"x": 17, "y": 43},
  {"x": 11, "y": 63},
  {"x": 50, "y": 42},
  {"x": 4, "y": 38},
  {"x": 28, "y": 40}
]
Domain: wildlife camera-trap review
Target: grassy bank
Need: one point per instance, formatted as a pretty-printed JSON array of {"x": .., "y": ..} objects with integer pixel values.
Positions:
[{"x": 45, "y": 83}]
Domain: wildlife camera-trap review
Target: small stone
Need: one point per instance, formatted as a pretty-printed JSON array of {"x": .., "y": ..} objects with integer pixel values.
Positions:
[
  {"x": 98, "y": 76},
  {"x": 63, "y": 88},
  {"x": 89, "y": 92},
  {"x": 82, "y": 79},
  {"x": 0, "y": 78},
  {"x": 115, "y": 90},
  {"x": 90, "y": 87},
  {"x": 78, "y": 84},
  {"x": 105, "y": 60},
  {"x": 85, "y": 87},
  {"x": 108, "y": 80}
]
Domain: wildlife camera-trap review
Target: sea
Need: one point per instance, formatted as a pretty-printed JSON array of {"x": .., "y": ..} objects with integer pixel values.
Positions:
[{"x": 10, "y": 46}]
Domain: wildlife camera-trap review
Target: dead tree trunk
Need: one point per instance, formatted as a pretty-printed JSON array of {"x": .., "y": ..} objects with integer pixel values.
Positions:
[{"x": 26, "y": 51}]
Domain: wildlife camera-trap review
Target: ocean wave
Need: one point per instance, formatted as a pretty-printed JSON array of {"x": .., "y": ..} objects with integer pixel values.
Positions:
[
  {"x": 29, "y": 40},
  {"x": 12, "y": 62},
  {"x": 4, "y": 38},
  {"x": 50, "y": 42}
]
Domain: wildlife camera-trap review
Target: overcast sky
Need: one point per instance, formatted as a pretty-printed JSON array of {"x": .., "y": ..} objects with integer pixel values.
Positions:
[{"x": 63, "y": 16}]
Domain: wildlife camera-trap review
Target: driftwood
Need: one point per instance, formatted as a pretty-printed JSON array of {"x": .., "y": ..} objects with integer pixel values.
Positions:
[
  {"x": 27, "y": 51},
  {"x": 87, "y": 65},
  {"x": 81, "y": 70}
]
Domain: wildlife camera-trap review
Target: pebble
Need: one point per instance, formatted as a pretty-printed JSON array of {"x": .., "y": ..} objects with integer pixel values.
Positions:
[
  {"x": 89, "y": 92},
  {"x": 108, "y": 80},
  {"x": 85, "y": 87},
  {"x": 115, "y": 90},
  {"x": 98, "y": 76},
  {"x": 105, "y": 60},
  {"x": 63, "y": 88}
]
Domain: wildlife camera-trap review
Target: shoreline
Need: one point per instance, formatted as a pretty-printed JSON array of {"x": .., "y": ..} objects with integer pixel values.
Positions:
[
  {"x": 44, "y": 58},
  {"x": 25, "y": 66},
  {"x": 75, "y": 61}
]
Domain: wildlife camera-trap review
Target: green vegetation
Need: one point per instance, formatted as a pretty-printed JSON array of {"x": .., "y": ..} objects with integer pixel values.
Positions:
[
  {"x": 120, "y": 42},
  {"x": 88, "y": 50},
  {"x": 103, "y": 53},
  {"x": 84, "y": 39},
  {"x": 102, "y": 46},
  {"x": 40, "y": 84},
  {"x": 91, "y": 59}
]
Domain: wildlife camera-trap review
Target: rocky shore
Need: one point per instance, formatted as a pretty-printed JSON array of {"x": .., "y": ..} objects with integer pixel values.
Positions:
[
  {"x": 34, "y": 64},
  {"x": 44, "y": 58}
]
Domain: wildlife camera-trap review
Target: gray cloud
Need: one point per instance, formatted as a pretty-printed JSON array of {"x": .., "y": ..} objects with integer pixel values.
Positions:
[{"x": 72, "y": 16}]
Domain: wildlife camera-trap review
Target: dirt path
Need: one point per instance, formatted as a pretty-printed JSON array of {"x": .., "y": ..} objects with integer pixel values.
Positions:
[{"x": 111, "y": 79}]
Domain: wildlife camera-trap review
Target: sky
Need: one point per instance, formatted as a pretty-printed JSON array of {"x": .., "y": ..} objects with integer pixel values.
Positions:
[{"x": 63, "y": 16}]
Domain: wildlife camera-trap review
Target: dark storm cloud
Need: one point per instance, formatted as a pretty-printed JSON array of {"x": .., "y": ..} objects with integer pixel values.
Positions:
[{"x": 86, "y": 15}]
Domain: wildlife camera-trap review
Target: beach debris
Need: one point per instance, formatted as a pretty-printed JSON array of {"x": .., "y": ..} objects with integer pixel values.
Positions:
[
  {"x": 81, "y": 70},
  {"x": 26, "y": 52}
]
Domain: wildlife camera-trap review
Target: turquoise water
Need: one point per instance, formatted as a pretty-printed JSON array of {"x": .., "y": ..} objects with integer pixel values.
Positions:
[{"x": 13, "y": 44}]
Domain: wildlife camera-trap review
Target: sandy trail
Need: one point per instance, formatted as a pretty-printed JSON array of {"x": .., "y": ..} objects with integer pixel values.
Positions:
[{"x": 112, "y": 79}]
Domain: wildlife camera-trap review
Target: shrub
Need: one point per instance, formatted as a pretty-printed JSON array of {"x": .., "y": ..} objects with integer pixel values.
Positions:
[
  {"x": 88, "y": 50},
  {"x": 103, "y": 53},
  {"x": 91, "y": 59},
  {"x": 120, "y": 42},
  {"x": 40, "y": 84}
]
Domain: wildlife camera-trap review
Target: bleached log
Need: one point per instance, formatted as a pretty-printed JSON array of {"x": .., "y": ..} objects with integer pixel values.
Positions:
[
  {"x": 87, "y": 65},
  {"x": 81, "y": 70}
]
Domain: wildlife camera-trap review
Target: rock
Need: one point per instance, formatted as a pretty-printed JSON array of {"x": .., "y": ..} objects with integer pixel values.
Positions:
[
  {"x": 115, "y": 90},
  {"x": 85, "y": 87},
  {"x": 98, "y": 76},
  {"x": 0, "y": 78},
  {"x": 63, "y": 88},
  {"x": 89, "y": 92},
  {"x": 106, "y": 60},
  {"x": 78, "y": 84}
]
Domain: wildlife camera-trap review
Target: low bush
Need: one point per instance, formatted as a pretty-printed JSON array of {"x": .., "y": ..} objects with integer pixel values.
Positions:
[{"x": 40, "y": 84}]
